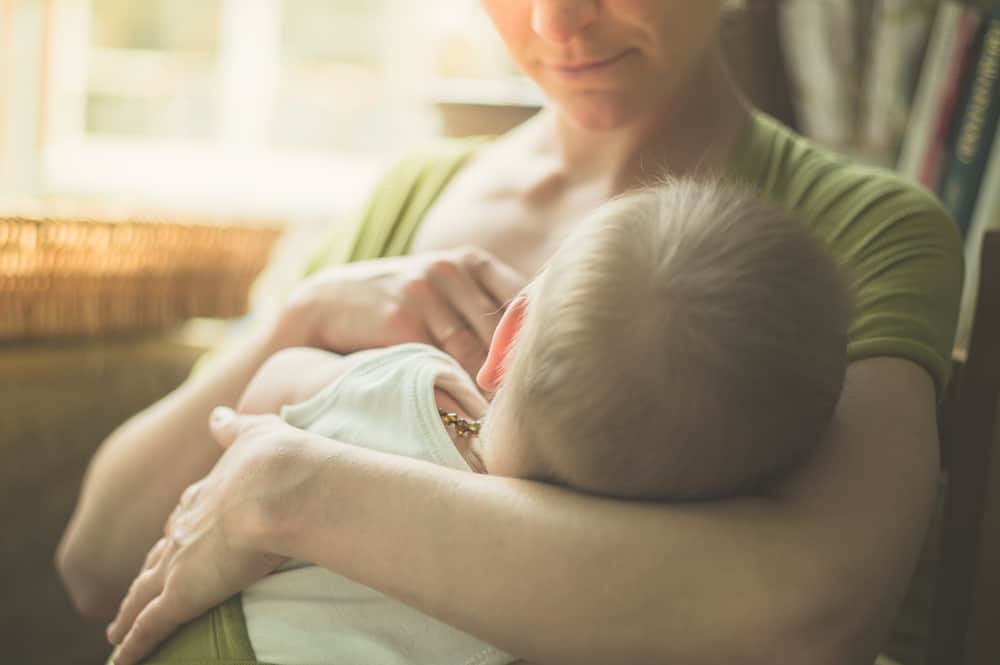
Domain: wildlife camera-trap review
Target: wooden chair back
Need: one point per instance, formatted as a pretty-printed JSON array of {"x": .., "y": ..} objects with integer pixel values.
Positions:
[{"x": 965, "y": 620}]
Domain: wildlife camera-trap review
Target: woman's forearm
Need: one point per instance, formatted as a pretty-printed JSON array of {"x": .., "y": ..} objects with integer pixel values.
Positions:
[
  {"x": 548, "y": 575},
  {"x": 812, "y": 576},
  {"x": 137, "y": 475}
]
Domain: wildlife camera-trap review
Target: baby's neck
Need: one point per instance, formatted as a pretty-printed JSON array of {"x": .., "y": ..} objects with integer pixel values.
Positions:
[{"x": 468, "y": 447}]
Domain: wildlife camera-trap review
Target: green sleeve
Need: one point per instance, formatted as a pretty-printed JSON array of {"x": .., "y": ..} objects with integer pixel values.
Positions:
[
  {"x": 898, "y": 243},
  {"x": 387, "y": 223},
  {"x": 908, "y": 276},
  {"x": 339, "y": 245}
]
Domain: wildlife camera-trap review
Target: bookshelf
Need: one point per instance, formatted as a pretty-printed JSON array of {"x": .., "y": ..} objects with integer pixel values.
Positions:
[
  {"x": 909, "y": 85},
  {"x": 951, "y": 144}
]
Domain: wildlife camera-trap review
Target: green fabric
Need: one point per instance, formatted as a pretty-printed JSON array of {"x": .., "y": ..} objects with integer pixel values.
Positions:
[
  {"x": 902, "y": 248},
  {"x": 218, "y": 637},
  {"x": 386, "y": 224}
]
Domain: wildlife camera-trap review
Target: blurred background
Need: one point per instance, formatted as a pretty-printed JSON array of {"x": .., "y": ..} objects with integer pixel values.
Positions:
[
  {"x": 152, "y": 151},
  {"x": 290, "y": 107},
  {"x": 149, "y": 150},
  {"x": 283, "y": 107}
]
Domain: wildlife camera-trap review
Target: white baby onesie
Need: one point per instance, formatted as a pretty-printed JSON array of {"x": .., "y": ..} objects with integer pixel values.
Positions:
[{"x": 306, "y": 615}]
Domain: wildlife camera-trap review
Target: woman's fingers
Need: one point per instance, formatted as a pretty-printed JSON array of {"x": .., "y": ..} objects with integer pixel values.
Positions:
[
  {"x": 451, "y": 298},
  {"x": 147, "y": 586},
  {"x": 467, "y": 349},
  {"x": 206, "y": 556},
  {"x": 179, "y": 509},
  {"x": 153, "y": 625},
  {"x": 227, "y": 426},
  {"x": 477, "y": 308},
  {"x": 500, "y": 280},
  {"x": 156, "y": 553},
  {"x": 221, "y": 423},
  {"x": 451, "y": 332},
  {"x": 462, "y": 297}
]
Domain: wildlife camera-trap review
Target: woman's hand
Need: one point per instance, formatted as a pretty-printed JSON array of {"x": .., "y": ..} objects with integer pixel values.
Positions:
[
  {"x": 209, "y": 551},
  {"x": 451, "y": 299}
]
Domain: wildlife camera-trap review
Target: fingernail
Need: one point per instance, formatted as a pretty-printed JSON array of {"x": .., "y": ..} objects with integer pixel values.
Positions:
[
  {"x": 222, "y": 416},
  {"x": 110, "y": 633}
]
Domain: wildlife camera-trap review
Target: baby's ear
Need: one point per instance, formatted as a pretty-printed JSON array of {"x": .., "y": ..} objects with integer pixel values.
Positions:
[{"x": 491, "y": 373}]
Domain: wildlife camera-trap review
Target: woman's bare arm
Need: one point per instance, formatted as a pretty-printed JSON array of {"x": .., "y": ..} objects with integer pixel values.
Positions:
[
  {"x": 98, "y": 563},
  {"x": 138, "y": 474},
  {"x": 811, "y": 575},
  {"x": 291, "y": 376}
]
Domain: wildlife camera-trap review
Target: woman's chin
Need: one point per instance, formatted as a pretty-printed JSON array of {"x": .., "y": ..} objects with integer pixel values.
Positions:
[{"x": 598, "y": 115}]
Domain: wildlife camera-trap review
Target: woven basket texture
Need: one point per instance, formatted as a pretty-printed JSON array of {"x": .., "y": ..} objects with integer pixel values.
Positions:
[{"x": 63, "y": 276}]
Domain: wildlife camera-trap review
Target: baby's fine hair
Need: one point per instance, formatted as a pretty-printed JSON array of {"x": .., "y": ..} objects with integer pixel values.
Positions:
[{"x": 687, "y": 342}]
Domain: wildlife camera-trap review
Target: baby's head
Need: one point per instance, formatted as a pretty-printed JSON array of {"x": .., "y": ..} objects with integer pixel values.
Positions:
[{"x": 688, "y": 341}]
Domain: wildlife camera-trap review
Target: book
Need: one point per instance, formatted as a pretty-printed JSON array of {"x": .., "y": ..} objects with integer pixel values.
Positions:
[
  {"x": 821, "y": 45},
  {"x": 950, "y": 93},
  {"x": 936, "y": 73},
  {"x": 972, "y": 135},
  {"x": 985, "y": 216},
  {"x": 898, "y": 38}
]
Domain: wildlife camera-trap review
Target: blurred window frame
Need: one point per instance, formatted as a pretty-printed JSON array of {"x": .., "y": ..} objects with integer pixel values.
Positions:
[
  {"x": 47, "y": 152},
  {"x": 237, "y": 171}
]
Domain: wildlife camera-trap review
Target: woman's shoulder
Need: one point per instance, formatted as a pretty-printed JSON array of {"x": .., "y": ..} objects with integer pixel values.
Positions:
[
  {"x": 901, "y": 247},
  {"x": 846, "y": 202},
  {"x": 782, "y": 164}
]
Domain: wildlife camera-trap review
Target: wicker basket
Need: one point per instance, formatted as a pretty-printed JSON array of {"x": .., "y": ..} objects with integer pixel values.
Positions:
[{"x": 66, "y": 275}]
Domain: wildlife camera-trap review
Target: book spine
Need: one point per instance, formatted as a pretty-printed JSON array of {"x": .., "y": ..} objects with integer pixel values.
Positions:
[
  {"x": 821, "y": 45},
  {"x": 934, "y": 70},
  {"x": 973, "y": 135},
  {"x": 987, "y": 211},
  {"x": 959, "y": 62},
  {"x": 986, "y": 216},
  {"x": 898, "y": 35}
]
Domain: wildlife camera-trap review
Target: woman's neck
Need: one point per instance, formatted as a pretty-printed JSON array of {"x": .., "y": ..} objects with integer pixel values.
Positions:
[{"x": 694, "y": 131}]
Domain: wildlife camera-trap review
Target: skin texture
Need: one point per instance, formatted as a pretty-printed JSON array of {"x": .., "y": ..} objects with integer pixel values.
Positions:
[
  {"x": 809, "y": 575},
  {"x": 138, "y": 474},
  {"x": 651, "y": 40},
  {"x": 775, "y": 579}
]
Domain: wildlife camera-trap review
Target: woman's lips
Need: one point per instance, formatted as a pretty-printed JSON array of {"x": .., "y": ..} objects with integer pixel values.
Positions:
[{"x": 588, "y": 68}]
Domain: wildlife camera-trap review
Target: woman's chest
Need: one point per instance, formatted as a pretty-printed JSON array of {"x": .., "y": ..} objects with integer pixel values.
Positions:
[{"x": 520, "y": 231}]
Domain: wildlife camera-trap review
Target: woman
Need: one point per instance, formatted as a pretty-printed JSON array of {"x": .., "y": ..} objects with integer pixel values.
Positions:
[{"x": 811, "y": 574}]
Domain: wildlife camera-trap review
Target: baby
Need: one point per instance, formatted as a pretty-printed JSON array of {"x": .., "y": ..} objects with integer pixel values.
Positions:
[{"x": 687, "y": 342}]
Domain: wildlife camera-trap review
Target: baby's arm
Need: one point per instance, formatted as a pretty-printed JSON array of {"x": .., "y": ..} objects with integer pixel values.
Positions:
[{"x": 291, "y": 376}]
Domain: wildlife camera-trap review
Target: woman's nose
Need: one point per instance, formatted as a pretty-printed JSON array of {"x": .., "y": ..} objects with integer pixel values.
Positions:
[{"x": 560, "y": 21}]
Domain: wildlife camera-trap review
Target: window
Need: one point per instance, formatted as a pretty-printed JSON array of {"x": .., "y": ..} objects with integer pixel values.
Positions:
[{"x": 260, "y": 106}]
